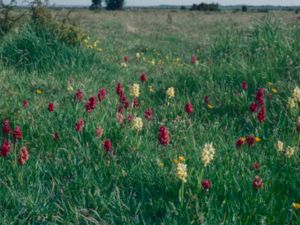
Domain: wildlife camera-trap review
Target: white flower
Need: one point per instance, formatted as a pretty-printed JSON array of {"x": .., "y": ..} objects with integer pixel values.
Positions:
[
  {"x": 280, "y": 146},
  {"x": 137, "y": 124},
  {"x": 181, "y": 172},
  {"x": 208, "y": 153}
]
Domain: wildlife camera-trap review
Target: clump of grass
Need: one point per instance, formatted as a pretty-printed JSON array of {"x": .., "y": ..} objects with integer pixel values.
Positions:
[{"x": 45, "y": 44}]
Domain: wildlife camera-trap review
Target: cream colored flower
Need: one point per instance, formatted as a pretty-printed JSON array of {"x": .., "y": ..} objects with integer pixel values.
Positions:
[
  {"x": 208, "y": 153},
  {"x": 181, "y": 172},
  {"x": 292, "y": 103},
  {"x": 137, "y": 124},
  {"x": 151, "y": 89},
  {"x": 138, "y": 55},
  {"x": 289, "y": 152},
  {"x": 280, "y": 146},
  {"x": 124, "y": 65},
  {"x": 296, "y": 94},
  {"x": 170, "y": 92},
  {"x": 135, "y": 90}
]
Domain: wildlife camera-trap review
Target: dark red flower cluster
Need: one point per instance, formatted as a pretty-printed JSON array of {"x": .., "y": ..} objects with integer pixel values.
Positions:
[
  {"x": 257, "y": 182},
  {"x": 102, "y": 94},
  {"x": 259, "y": 105},
  {"x": 107, "y": 145},
  {"x": 148, "y": 114},
  {"x": 78, "y": 95},
  {"x": 17, "y": 134},
  {"x": 250, "y": 140},
  {"x": 79, "y": 125},
  {"x": 56, "y": 136},
  {"x": 194, "y": 59},
  {"x": 163, "y": 136},
  {"x": 5, "y": 148},
  {"x": 90, "y": 105},
  {"x": 51, "y": 107},
  {"x": 23, "y": 156},
  {"x": 122, "y": 98},
  {"x": 189, "y": 108},
  {"x": 206, "y": 184},
  {"x": 6, "y": 127},
  {"x": 206, "y": 99},
  {"x": 255, "y": 166},
  {"x": 126, "y": 58},
  {"x": 143, "y": 77},
  {"x": 135, "y": 103},
  {"x": 25, "y": 104},
  {"x": 244, "y": 86}
]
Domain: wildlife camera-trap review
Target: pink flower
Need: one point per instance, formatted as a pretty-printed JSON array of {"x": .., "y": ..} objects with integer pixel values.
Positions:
[
  {"x": 78, "y": 95},
  {"x": 194, "y": 59},
  {"x": 56, "y": 136},
  {"x": 257, "y": 182},
  {"x": 143, "y": 77},
  {"x": 163, "y": 136},
  {"x": 255, "y": 166},
  {"x": 253, "y": 107},
  {"x": 107, "y": 145},
  {"x": 23, "y": 156},
  {"x": 206, "y": 99},
  {"x": 189, "y": 108},
  {"x": 120, "y": 118},
  {"x": 51, "y": 107},
  {"x": 17, "y": 133},
  {"x": 126, "y": 58},
  {"x": 5, "y": 148},
  {"x": 206, "y": 184},
  {"x": 79, "y": 125},
  {"x": 135, "y": 103},
  {"x": 6, "y": 127},
  {"x": 99, "y": 132},
  {"x": 241, "y": 141},
  {"x": 244, "y": 86},
  {"x": 148, "y": 114},
  {"x": 250, "y": 140},
  {"x": 25, "y": 104},
  {"x": 102, "y": 94},
  {"x": 261, "y": 116},
  {"x": 91, "y": 104},
  {"x": 119, "y": 89},
  {"x": 260, "y": 96}
]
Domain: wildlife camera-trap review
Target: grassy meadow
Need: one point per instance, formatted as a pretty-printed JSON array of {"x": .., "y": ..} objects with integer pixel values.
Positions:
[{"x": 151, "y": 117}]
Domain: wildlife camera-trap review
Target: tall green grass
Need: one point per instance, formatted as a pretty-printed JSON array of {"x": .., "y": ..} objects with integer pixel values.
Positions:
[{"x": 73, "y": 181}]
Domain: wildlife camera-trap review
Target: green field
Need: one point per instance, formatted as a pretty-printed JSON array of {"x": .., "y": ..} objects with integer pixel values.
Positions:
[{"x": 220, "y": 63}]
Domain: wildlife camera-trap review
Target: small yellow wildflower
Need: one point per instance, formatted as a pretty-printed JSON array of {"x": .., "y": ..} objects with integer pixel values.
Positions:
[
  {"x": 135, "y": 90},
  {"x": 296, "y": 205},
  {"x": 181, "y": 172},
  {"x": 70, "y": 88},
  {"x": 39, "y": 91},
  {"x": 170, "y": 92},
  {"x": 257, "y": 139},
  {"x": 181, "y": 158},
  {"x": 152, "y": 62},
  {"x": 274, "y": 90},
  {"x": 208, "y": 153},
  {"x": 210, "y": 106},
  {"x": 99, "y": 50},
  {"x": 137, "y": 124}
]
